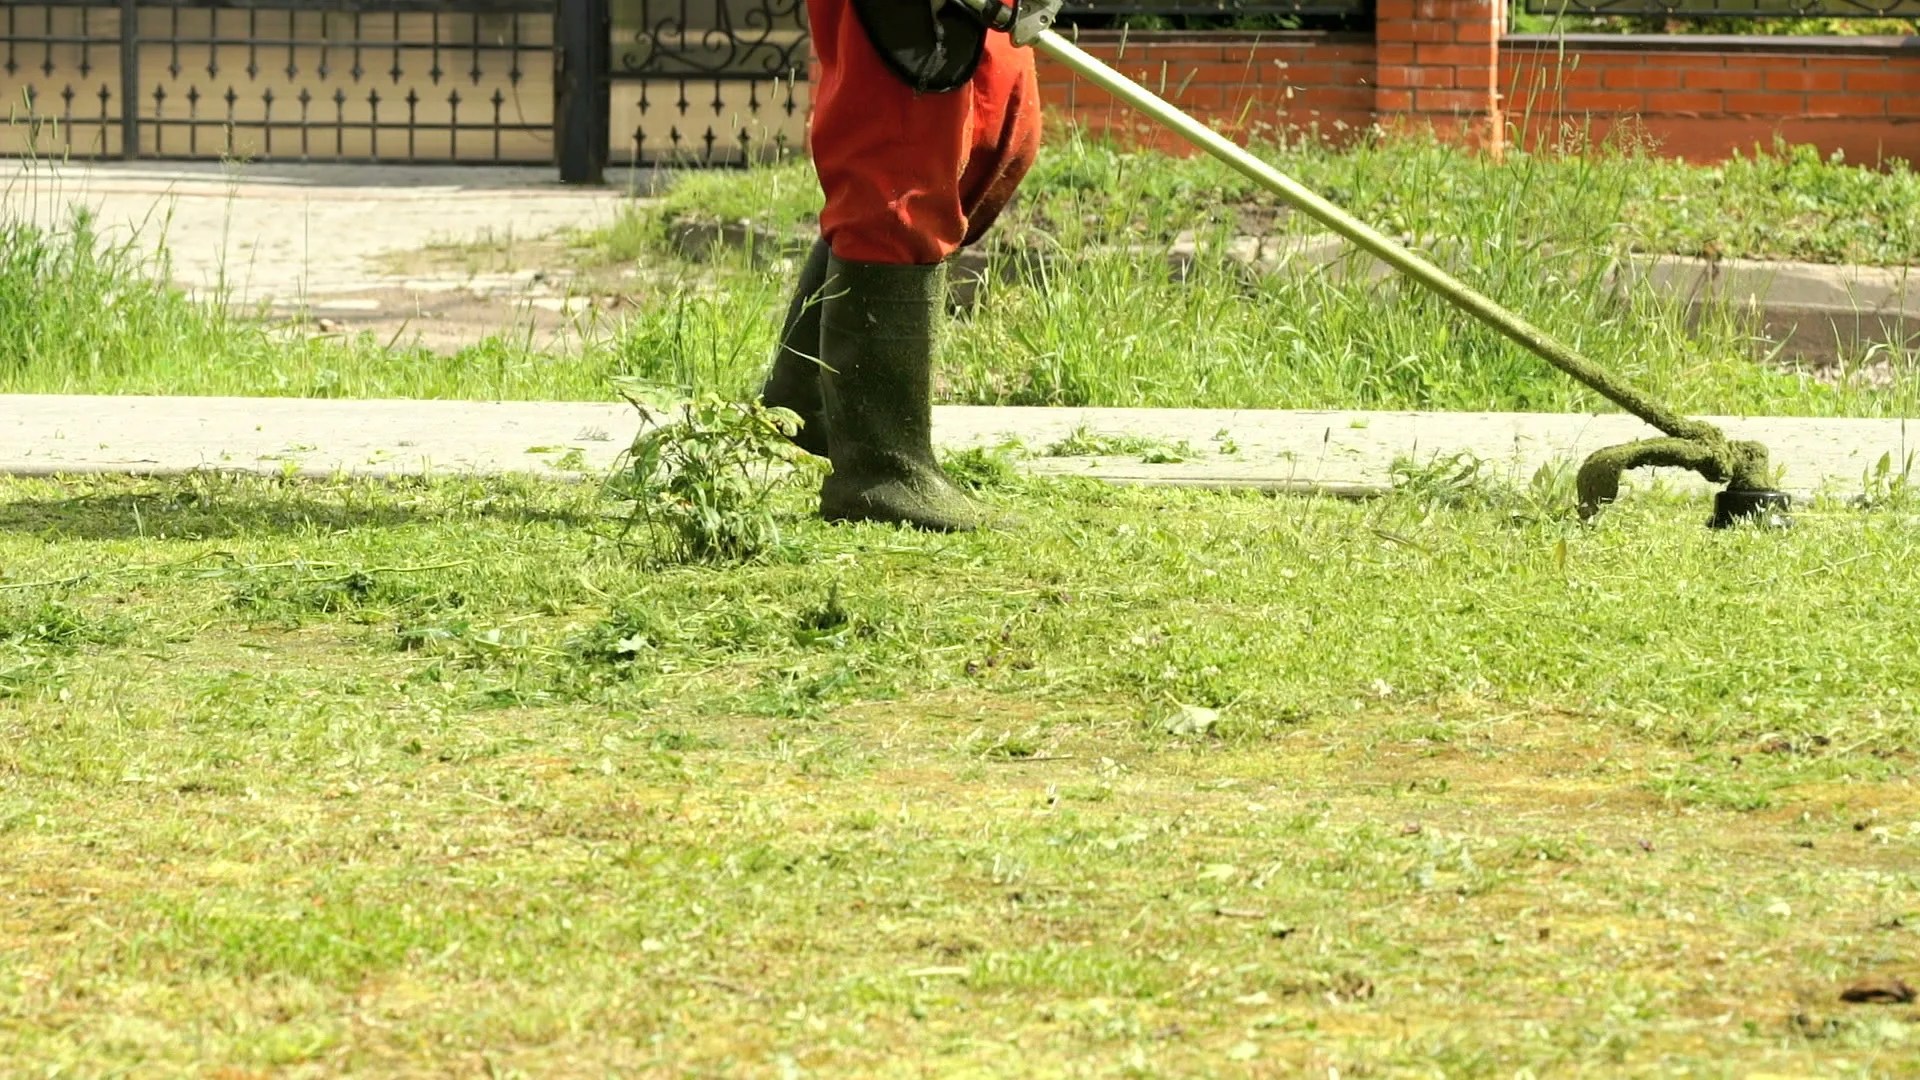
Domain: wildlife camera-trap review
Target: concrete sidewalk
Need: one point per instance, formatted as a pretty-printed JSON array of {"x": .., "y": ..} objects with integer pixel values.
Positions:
[
  {"x": 263, "y": 232},
  {"x": 1268, "y": 449}
]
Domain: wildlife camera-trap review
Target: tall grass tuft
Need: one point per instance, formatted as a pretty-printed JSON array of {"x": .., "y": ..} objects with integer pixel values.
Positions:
[
  {"x": 1106, "y": 324},
  {"x": 75, "y": 310},
  {"x": 82, "y": 311},
  {"x": 1084, "y": 311}
]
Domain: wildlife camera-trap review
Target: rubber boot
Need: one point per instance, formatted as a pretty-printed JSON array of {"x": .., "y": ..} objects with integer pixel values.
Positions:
[
  {"x": 877, "y": 331},
  {"x": 794, "y": 381}
]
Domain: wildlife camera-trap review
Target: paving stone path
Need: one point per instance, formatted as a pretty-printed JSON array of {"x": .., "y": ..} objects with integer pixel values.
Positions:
[
  {"x": 334, "y": 240},
  {"x": 1342, "y": 452},
  {"x": 281, "y": 230}
]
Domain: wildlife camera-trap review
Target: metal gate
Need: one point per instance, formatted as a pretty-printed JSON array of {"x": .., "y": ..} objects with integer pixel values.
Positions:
[
  {"x": 300, "y": 80},
  {"x": 706, "y": 81},
  {"x": 583, "y": 83}
]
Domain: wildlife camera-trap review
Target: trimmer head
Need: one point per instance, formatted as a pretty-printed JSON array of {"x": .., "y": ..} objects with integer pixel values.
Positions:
[
  {"x": 1742, "y": 466},
  {"x": 1763, "y": 507}
]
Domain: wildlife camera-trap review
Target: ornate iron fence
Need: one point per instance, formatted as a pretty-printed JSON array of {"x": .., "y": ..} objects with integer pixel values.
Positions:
[
  {"x": 1731, "y": 9},
  {"x": 1083, "y": 10},
  {"x": 339, "y": 80},
  {"x": 585, "y": 82},
  {"x": 708, "y": 81}
]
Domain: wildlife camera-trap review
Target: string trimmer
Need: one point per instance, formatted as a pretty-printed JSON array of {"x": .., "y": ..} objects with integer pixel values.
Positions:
[{"x": 1690, "y": 443}]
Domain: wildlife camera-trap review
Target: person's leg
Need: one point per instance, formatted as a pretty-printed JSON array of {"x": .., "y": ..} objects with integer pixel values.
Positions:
[
  {"x": 906, "y": 174},
  {"x": 889, "y": 160},
  {"x": 794, "y": 381},
  {"x": 1006, "y": 134},
  {"x": 883, "y": 154}
]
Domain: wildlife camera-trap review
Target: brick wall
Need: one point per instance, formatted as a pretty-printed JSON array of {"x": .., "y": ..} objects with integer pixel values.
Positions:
[
  {"x": 1248, "y": 86},
  {"x": 1438, "y": 66},
  {"x": 1704, "y": 97},
  {"x": 1436, "y": 63}
]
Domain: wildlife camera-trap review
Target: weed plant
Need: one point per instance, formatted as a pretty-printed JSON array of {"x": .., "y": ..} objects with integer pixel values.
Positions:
[{"x": 702, "y": 475}]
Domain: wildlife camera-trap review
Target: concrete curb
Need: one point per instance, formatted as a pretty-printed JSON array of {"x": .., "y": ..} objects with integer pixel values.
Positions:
[{"x": 1815, "y": 311}]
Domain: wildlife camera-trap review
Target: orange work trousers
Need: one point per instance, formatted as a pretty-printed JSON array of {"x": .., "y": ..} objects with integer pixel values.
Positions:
[{"x": 910, "y": 177}]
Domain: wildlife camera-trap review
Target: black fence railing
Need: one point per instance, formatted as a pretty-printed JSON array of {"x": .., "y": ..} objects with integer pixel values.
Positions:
[
  {"x": 343, "y": 80},
  {"x": 736, "y": 40},
  {"x": 713, "y": 82},
  {"x": 1217, "y": 9},
  {"x": 1731, "y": 9}
]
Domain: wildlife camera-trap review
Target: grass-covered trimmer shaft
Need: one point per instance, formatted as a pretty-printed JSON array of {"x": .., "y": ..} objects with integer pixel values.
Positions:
[{"x": 1691, "y": 444}]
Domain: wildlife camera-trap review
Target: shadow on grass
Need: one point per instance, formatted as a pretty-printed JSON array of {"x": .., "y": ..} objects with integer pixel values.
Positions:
[{"x": 181, "y": 510}]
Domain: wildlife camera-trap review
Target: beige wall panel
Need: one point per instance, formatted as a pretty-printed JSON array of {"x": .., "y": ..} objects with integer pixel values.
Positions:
[
  {"x": 198, "y": 97},
  {"x": 667, "y": 132},
  {"x": 38, "y": 118}
]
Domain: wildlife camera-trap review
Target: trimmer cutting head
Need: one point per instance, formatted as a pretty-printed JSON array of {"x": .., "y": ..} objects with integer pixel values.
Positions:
[
  {"x": 1765, "y": 507},
  {"x": 1701, "y": 448}
]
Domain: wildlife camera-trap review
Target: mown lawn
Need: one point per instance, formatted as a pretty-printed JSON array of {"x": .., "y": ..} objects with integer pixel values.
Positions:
[
  {"x": 449, "y": 778},
  {"x": 313, "y": 779}
]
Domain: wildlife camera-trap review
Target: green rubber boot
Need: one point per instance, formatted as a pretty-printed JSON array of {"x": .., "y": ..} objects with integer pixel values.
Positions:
[
  {"x": 794, "y": 381},
  {"x": 877, "y": 330}
]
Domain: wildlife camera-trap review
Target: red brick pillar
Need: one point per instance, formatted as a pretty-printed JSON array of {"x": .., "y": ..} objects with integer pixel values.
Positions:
[{"x": 1439, "y": 65}]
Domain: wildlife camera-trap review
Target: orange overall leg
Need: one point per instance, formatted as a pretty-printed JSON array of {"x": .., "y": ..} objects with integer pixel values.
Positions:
[{"x": 909, "y": 177}]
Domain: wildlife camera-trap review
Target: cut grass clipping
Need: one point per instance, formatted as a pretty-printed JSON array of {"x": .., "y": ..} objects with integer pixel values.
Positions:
[{"x": 390, "y": 780}]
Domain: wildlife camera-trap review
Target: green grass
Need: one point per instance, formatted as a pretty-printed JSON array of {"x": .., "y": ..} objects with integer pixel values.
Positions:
[
  {"x": 1098, "y": 321},
  {"x": 1094, "y": 319},
  {"x": 305, "y": 779},
  {"x": 436, "y": 777},
  {"x": 83, "y": 314},
  {"x": 1101, "y": 323},
  {"x": 1773, "y": 202}
]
